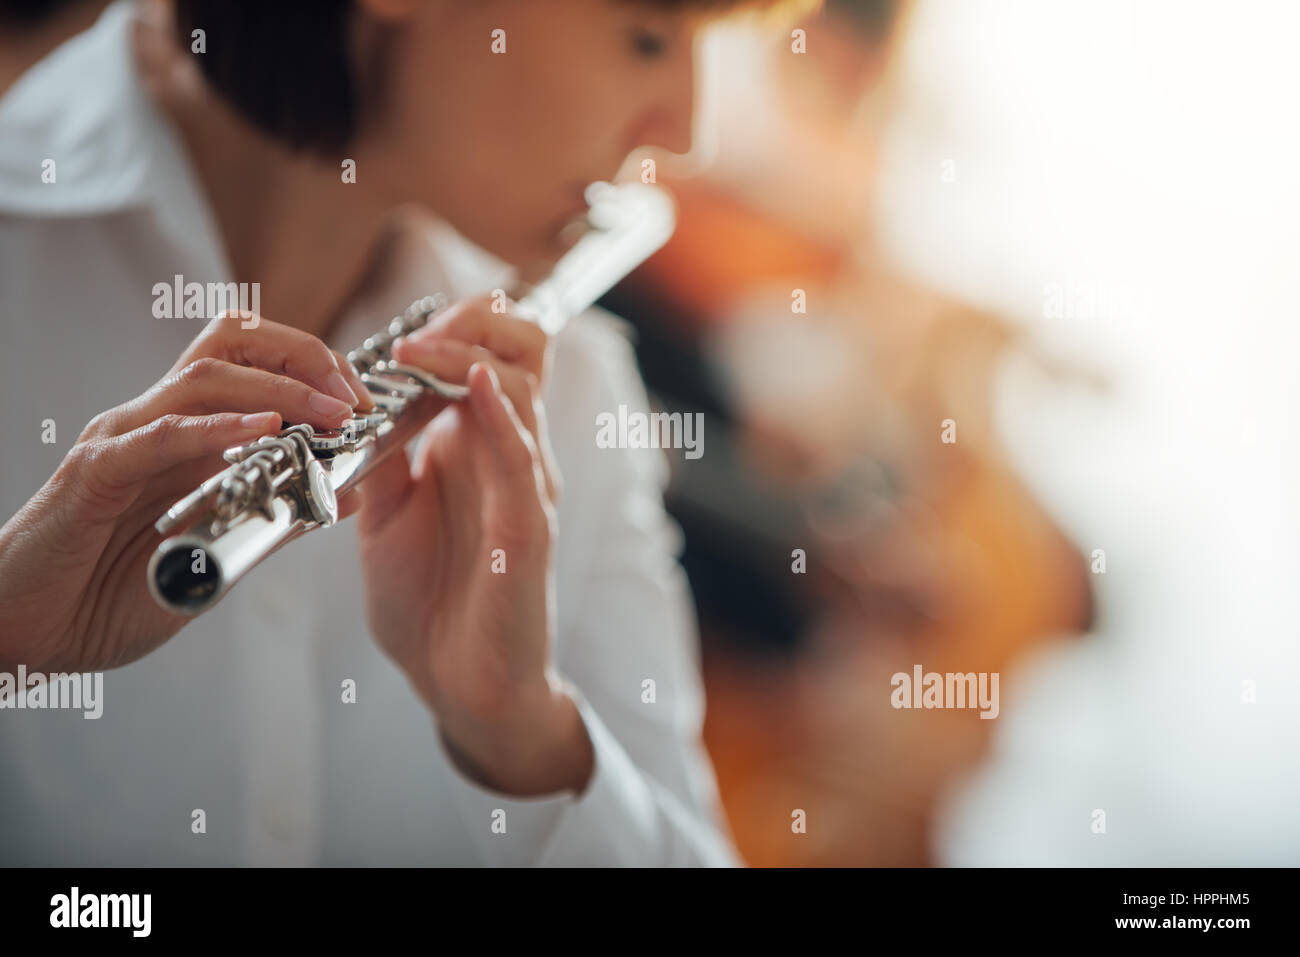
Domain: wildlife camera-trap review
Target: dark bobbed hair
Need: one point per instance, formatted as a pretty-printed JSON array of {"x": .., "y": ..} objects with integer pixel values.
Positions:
[
  {"x": 284, "y": 64},
  {"x": 23, "y": 14}
]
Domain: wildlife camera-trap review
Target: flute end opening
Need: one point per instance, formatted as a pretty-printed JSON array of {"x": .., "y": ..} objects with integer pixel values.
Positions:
[{"x": 184, "y": 578}]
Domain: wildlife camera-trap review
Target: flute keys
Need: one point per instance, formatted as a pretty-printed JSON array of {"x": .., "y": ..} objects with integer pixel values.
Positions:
[
  {"x": 378, "y": 344},
  {"x": 418, "y": 312},
  {"x": 319, "y": 493},
  {"x": 362, "y": 359},
  {"x": 380, "y": 384},
  {"x": 388, "y": 404},
  {"x": 191, "y": 506},
  {"x": 362, "y": 422},
  {"x": 329, "y": 440},
  {"x": 448, "y": 390}
]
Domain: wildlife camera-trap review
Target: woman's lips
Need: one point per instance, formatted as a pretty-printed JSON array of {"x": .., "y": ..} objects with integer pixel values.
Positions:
[
  {"x": 571, "y": 219},
  {"x": 571, "y": 231},
  {"x": 575, "y": 207},
  {"x": 576, "y": 200}
]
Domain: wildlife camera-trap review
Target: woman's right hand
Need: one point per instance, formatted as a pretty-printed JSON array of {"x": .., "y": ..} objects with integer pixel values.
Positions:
[{"x": 73, "y": 595}]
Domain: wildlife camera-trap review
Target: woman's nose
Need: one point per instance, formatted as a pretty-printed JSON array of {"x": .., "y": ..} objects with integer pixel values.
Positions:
[
  {"x": 671, "y": 135},
  {"x": 668, "y": 122},
  {"x": 666, "y": 131}
]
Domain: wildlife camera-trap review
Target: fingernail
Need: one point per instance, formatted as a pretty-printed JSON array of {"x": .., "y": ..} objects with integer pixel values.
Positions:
[
  {"x": 331, "y": 409},
  {"x": 493, "y": 381},
  {"x": 340, "y": 389},
  {"x": 257, "y": 420}
]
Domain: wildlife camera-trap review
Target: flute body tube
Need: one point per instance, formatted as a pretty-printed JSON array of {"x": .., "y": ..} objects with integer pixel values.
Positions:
[{"x": 281, "y": 487}]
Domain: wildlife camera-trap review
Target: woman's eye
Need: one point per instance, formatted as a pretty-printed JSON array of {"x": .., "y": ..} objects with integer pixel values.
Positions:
[{"x": 648, "y": 44}]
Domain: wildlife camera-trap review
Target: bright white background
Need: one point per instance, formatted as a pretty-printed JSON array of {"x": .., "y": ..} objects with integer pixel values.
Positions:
[{"x": 1148, "y": 150}]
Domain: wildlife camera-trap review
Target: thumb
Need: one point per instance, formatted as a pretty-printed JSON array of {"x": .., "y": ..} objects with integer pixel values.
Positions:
[
  {"x": 118, "y": 467},
  {"x": 384, "y": 491}
]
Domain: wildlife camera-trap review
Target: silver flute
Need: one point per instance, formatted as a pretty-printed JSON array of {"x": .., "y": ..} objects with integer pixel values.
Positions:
[{"x": 283, "y": 486}]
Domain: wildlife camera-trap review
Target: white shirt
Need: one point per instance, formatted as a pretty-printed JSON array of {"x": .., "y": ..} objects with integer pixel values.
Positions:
[{"x": 242, "y": 713}]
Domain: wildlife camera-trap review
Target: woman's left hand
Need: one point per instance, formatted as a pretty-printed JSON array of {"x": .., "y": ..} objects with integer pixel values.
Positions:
[{"x": 456, "y": 552}]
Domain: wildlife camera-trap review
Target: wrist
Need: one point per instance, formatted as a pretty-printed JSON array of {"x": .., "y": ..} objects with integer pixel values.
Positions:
[{"x": 540, "y": 746}]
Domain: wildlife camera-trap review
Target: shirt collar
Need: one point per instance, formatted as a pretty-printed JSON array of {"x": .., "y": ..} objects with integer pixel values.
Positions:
[{"x": 83, "y": 107}]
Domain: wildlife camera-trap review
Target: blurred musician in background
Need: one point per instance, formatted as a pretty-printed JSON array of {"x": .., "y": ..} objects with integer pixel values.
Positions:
[{"x": 831, "y": 376}]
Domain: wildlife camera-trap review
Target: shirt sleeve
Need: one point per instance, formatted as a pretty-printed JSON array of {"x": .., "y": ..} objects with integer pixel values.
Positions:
[{"x": 628, "y": 647}]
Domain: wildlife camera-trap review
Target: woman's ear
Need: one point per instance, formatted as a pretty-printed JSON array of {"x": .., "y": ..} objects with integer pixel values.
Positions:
[{"x": 166, "y": 70}]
